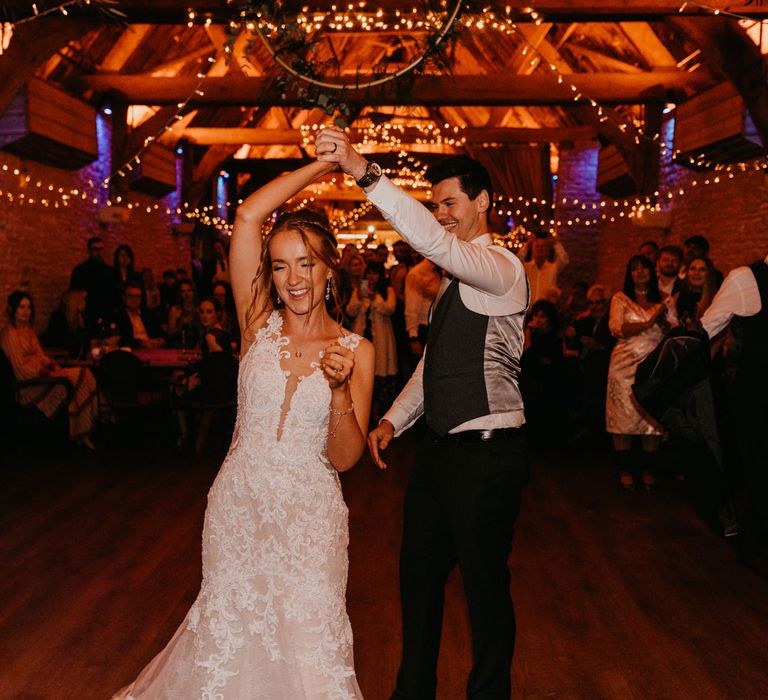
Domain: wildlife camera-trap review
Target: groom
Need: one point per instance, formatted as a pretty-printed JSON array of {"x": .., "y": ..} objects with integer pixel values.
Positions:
[{"x": 464, "y": 492}]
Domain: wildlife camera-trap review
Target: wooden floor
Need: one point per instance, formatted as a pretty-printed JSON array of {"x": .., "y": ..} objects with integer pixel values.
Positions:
[{"x": 618, "y": 596}]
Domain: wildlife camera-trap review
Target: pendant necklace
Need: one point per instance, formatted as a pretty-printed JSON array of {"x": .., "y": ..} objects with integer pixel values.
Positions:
[{"x": 298, "y": 353}]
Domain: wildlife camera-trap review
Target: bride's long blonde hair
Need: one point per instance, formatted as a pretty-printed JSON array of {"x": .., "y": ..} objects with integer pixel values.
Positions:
[{"x": 311, "y": 226}]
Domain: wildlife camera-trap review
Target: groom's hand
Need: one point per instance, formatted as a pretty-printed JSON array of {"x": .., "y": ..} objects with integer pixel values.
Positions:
[
  {"x": 378, "y": 439},
  {"x": 332, "y": 145}
]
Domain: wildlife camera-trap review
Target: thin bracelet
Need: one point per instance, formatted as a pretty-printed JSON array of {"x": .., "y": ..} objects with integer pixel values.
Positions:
[{"x": 340, "y": 415}]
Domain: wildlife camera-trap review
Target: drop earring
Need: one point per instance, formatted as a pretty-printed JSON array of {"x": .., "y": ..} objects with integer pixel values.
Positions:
[
  {"x": 327, "y": 288},
  {"x": 278, "y": 300}
]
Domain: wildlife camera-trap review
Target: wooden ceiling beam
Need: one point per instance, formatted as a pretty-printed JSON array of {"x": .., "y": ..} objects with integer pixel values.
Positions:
[
  {"x": 292, "y": 137},
  {"x": 727, "y": 48},
  {"x": 33, "y": 43},
  {"x": 176, "y": 11},
  {"x": 466, "y": 90}
]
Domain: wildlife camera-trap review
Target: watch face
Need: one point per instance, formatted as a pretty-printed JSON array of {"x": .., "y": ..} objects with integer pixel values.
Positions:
[{"x": 375, "y": 169}]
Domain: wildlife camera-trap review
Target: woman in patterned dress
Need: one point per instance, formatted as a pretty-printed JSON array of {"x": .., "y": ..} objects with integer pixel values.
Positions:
[
  {"x": 29, "y": 361},
  {"x": 270, "y": 621}
]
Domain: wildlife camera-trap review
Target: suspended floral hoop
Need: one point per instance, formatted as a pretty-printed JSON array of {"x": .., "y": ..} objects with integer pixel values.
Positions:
[{"x": 432, "y": 45}]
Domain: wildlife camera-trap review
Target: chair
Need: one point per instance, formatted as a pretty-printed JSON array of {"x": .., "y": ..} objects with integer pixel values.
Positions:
[
  {"x": 19, "y": 422},
  {"x": 121, "y": 380},
  {"x": 217, "y": 391}
]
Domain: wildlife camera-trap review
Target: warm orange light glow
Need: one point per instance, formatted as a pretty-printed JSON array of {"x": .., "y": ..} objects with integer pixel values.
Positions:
[{"x": 6, "y": 32}]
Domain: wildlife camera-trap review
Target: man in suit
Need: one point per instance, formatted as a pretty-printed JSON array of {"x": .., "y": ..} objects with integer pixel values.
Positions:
[
  {"x": 464, "y": 493},
  {"x": 94, "y": 276},
  {"x": 138, "y": 327}
]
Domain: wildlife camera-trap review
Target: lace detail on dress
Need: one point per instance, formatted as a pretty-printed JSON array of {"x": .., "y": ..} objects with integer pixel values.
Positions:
[{"x": 270, "y": 620}]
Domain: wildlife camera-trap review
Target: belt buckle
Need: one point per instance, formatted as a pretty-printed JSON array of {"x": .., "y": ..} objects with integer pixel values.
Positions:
[{"x": 486, "y": 435}]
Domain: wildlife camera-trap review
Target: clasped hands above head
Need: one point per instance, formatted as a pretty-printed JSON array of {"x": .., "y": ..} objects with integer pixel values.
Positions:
[{"x": 332, "y": 145}]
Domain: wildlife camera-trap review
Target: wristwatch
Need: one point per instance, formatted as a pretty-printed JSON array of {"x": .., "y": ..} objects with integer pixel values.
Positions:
[{"x": 372, "y": 174}]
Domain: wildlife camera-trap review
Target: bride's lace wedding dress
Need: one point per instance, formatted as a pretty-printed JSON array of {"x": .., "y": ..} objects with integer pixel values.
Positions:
[{"x": 270, "y": 622}]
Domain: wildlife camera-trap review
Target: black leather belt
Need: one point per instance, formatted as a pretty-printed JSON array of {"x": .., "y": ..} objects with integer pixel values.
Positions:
[{"x": 476, "y": 435}]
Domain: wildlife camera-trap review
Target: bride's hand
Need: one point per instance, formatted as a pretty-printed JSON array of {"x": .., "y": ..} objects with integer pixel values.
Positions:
[{"x": 337, "y": 364}]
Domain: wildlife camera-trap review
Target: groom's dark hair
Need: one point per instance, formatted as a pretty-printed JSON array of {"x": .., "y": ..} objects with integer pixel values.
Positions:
[{"x": 473, "y": 177}]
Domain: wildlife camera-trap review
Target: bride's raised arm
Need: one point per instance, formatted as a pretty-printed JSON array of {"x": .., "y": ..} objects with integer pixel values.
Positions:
[{"x": 245, "y": 246}]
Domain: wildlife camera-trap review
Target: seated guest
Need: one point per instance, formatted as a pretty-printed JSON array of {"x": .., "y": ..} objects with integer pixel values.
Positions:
[
  {"x": 29, "y": 361},
  {"x": 167, "y": 291},
  {"x": 214, "y": 337},
  {"x": 66, "y": 327},
  {"x": 223, "y": 293},
  {"x": 183, "y": 318},
  {"x": 152, "y": 297},
  {"x": 138, "y": 327}
]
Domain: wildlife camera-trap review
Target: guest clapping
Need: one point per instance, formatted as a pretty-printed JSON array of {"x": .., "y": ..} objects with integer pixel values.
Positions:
[{"x": 370, "y": 310}]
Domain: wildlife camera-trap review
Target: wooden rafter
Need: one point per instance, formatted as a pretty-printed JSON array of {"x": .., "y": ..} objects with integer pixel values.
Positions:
[
  {"x": 32, "y": 44},
  {"x": 262, "y": 137},
  {"x": 726, "y": 47},
  {"x": 606, "y": 88}
]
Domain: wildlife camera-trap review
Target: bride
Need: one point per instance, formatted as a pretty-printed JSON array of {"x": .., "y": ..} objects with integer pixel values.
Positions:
[{"x": 270, "y": 621}]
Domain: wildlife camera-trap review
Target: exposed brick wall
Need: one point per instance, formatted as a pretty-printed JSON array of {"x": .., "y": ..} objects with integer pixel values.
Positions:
[
  {"x": 39, "y": 246},
  {"x": 732, "y": 215},
  {"x": 577, "y": 173}
]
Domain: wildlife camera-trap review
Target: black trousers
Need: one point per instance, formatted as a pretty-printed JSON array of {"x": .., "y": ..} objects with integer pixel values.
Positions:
[
  {"x": 749, "y": 409},
  {"x": 460, "y": 508}
]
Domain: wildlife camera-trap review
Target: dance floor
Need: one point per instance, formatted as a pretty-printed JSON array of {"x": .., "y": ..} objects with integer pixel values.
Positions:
[{"x": 618, "y": 596}]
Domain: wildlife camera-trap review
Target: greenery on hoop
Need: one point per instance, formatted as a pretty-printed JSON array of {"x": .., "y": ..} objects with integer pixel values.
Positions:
[{"x": 307, "y": 76}]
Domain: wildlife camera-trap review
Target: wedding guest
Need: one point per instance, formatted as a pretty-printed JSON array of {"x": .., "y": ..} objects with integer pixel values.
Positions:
[
  {"x": 94, "y": 276},
  {"x": 696, "y": 291},
  {"x": 168, "y": 292},
  {"x": 183, "y": 318},
  {"x": 66, "y": 327},
  {"x": 152, "y": 296},
  {"x": 123, "y": 273},
  {"x": 351, "y": 274},
  {"x": 697, "y": 247},
  {"x": 668, "y": 268},
  {"x": 742, "y": 301},
  {"x": 421, "y": 285},
  {"x": 397, "y": 276},
  {"x": 636, "y": 320},
  {"x": 544, "y": 258},
  {"x": 371, "y": 308},
  {"x": 594, "y": 342},
  {"x": 222, "y": 292},
  {"x": 649, "y": 250},
  {"x": 29, "y": 361},
  {"x": 216, "y": 268},
  {"x": 542, "y": 374},
  {"x": 137, "y": 327}
]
